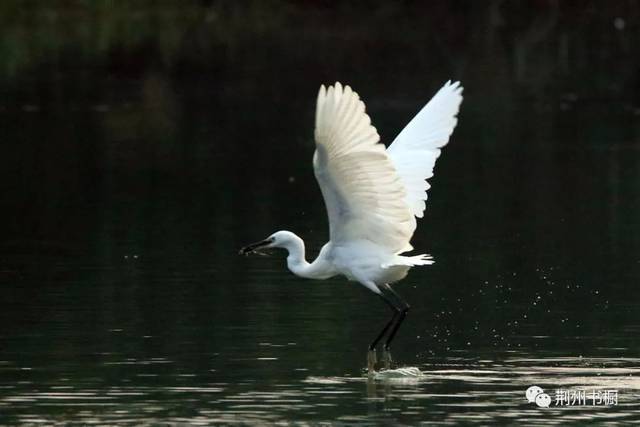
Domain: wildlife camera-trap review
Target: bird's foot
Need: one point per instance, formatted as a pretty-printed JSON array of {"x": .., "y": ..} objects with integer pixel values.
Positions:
[
  {"x": 386, "y": 358},
  {"x": 371, "y": 361}
]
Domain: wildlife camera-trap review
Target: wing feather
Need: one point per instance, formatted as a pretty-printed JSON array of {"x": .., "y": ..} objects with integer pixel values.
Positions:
[
  {"x": 364, "y": 196},
  {"x": 415, "y": 150}
]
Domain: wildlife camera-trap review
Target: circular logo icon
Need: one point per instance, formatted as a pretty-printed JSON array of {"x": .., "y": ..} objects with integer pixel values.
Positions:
[
  {"x": 543, "y": 400},
  {"x": 532, "y": 392}
]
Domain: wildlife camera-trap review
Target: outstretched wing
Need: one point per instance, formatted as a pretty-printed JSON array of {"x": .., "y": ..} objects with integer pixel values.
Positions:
[
  {"x": 364, "y": 196},
  {"x": 416, "y": 148}
]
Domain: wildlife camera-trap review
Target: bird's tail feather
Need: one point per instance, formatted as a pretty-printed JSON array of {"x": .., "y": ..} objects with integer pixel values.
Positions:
[{"x": 422, "y": 259}]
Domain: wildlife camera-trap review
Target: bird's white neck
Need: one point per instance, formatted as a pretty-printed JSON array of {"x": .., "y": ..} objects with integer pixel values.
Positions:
[{"x": 298, "y": 265}]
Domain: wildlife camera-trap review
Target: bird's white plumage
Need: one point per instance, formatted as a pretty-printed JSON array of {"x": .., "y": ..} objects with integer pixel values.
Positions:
[
  {"x": 364, "y": 195},
  {"x": 416, "y": 148},
  {"x": 372, "y": 194}
]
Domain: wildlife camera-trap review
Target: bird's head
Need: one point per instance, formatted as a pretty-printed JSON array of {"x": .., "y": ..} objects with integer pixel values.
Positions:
[{"x": 279, "y": 239}]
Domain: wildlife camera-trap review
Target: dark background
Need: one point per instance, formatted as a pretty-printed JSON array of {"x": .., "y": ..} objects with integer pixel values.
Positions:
[
  {"x": 208, "y": 105},
  {"x": 144, "y": 142}
]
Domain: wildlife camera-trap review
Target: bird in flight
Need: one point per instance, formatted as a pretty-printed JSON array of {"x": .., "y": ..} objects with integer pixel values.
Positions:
[{"x": 372, "y": 195}]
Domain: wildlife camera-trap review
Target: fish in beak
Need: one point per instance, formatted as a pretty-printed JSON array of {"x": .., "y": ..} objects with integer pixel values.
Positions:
[{"x": 253, "y": 247}]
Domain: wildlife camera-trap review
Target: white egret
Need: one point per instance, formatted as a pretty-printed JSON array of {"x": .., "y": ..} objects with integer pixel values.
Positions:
[{"x": 372, "y": 195}]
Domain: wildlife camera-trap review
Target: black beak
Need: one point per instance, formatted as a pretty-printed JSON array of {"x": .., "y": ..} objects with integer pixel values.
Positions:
[{"x": 253, "y": 246}]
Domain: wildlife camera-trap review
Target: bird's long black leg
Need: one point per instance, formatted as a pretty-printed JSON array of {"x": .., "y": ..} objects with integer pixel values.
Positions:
[
  {"x": 401, "y": 314},
  {"x": 396, "y": 312}
]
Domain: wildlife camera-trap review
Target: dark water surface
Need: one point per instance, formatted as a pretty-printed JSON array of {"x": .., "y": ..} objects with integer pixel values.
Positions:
[
  {"x": 138, "y": 342},
  {"x": 133, "y": 174}
]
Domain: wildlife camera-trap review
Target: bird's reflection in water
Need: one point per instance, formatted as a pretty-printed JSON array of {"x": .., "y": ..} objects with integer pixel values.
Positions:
[{"x": 403, "y": 380}]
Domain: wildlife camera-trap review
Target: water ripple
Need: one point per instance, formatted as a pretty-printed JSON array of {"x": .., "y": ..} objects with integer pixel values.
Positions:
[{"x": 447, "y": 391}]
